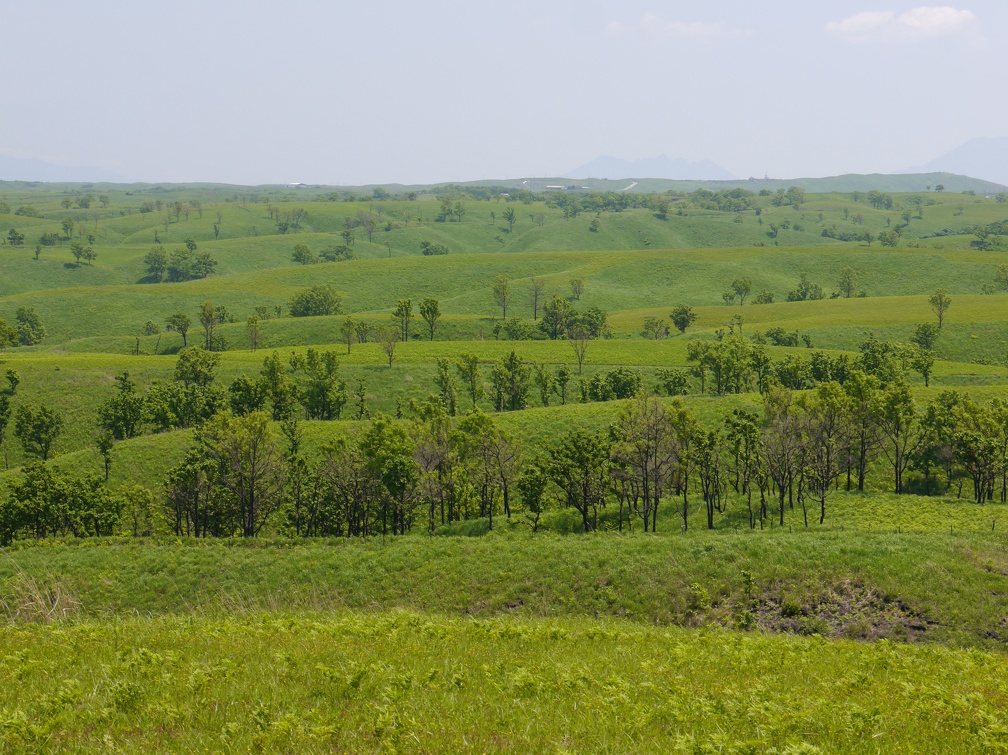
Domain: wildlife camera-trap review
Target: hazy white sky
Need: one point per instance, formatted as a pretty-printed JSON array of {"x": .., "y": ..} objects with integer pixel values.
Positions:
[{"x": 445, "y": 90}]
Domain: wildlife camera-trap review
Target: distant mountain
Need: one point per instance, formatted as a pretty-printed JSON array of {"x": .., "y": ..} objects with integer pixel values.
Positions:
[
  {"x": 20, "y": 169},
  {"x": 651, "y": 167},
  {"x": 981, "y": 157}
]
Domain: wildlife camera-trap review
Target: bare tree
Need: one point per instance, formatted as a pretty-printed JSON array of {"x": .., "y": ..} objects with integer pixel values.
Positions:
[
  {"x": 578, "y": 338},
  {"x": 501, "y": 288},
  {"x": 535, "y": 294},
  {"x": 388, "y": 337}
]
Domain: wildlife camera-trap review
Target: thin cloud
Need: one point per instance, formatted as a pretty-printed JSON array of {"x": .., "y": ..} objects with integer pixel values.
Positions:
[
  {"x": 861, "y": 23},
  {"x": 668, "y": 30},
  {"x": 921, "y": 22}
]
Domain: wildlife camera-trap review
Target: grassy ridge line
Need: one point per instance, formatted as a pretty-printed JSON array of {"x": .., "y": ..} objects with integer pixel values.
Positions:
[
  {"x": 413, "y": 682},
  {"x": 936, "y": 588}
]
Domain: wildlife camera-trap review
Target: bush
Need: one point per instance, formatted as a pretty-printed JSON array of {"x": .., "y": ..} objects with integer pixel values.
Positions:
[{"x": 316, "y": 301}]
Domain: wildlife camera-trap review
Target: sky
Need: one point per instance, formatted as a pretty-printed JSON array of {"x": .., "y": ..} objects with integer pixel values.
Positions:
[{"x": 412, "y": 91}]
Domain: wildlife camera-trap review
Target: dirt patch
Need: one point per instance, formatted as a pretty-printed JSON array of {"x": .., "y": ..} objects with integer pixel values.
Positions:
[{"x": 848, "y": 609}]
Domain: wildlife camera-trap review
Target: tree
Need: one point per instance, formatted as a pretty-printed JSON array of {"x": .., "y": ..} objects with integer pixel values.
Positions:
[
  {"x": 888, "y": 237},
  {"x": 940, "y": 302},
  {"x": 847, "y": 282},
  {"x": 510, "y": 216},
  {"x": 317, "y": 301},
  {"x": 30, "y": 329},
  {"x": 124, "y": 413},
  {"x": 5, "y": 415},
  {"x": 472, "y": 378},
  {"x": 253, "y": 327},
  {"x": 249, "y": 466},
  {"x": 302, "y": 255},
  {"x": 178, "y": 323},
  {"x": 545, "y": 381},
  {"x": 349, "y": 324},
  {"x": 923, "y": 362},
  {"x": 445, "y": 382},
  {"x": 37, "y": 428},
  {"x": 896, "y": 428},
  {"x": 579, "y": 466},
  {"x": 741, "y": 288},
  {"x": 431, "y": 313},
  {"x": 388, "y": 338},
  {"x": 536, "y": 292},
  {"x": 404, "y": 314},
  {"x": 511, "y": 380},
  {"x": 577, "y": 288},
  {"x": 557, "y": 313},
  {"x": 645, "y": 453},
  {"x": 926, "y": 335},
  {"x": 209, "y": 318},
  {"x": 105, "y": 441},
  {"x": 156, "y": 261},
  {"x": 578, "y": 338},
  {"x": 14, "y": 378},
  {"x": 501, "y": 288},
  {"x": 655, "y": 328},
  {"x": 14, "y": 238},
  {"x": 682, "y": 317}
]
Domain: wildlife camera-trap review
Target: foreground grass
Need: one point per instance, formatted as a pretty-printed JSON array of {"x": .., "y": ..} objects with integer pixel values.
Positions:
[{"x": 421, "y": 683}]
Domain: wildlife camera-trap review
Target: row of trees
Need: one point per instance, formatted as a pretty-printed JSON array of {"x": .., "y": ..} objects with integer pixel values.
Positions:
[{"x": 244, "y": 471}]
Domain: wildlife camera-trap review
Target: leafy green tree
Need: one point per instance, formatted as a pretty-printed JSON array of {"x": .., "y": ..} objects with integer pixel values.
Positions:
[
  {"x": 249, "y": 466},
  {"x": 324, "y": 393},
  {"x": 469, "y": 372},
  {"x": 897, "y": 428},
  {"x": 682, "y": 317},
  {"x": 105, "y": 441},
  {"x": 124, "y": 413},
  {"x": 30, "y": 329},
  {"x": 926, "y": 335},
  {"x": 14, "y": 238},
  {"x": 510, "y": 217},
  {"x": 13, "y": 378},
  {"x": 178, "y": 323},
  {"x": 431, "y": 313},
  {"x": 577, "y": 288},
  {"x": 511, "y": 380},
  {"x": 156, "y": 261},
  {"x": 888, "y": 237},
  {"x": 404, "y": 314},
  {"x": 196, "y": 366},
  {"x": 532, "y": 484},
  {"x": 37, "y": 428},
  {"x": 556, "y": 316},
  {"x": 280, "y": 389},
  {"x": 317, "y": 301},
  {"x": 579, "y": 466},
  {"x": 209, "y": 318},
  {"x": 302, "y": 255},
  {"x": 741, "y": 288},
  {"x": 253, "y": 326},
  {"x": 545, "y": 381},
  {"x": 563, "y": 377},
  {"x": 847, "y": 282},
  {"x": 5, "y": 417},
  {"x": 446, "y": 385},
  {"x": 389, "y": 452}
]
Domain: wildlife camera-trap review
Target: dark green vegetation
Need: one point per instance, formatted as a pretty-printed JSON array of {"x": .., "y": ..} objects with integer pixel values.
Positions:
[{"x": 247, "y": 414}]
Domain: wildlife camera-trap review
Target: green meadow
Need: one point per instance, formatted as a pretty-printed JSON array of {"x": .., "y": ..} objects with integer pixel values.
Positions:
[{"x": 881, "y": 629}]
